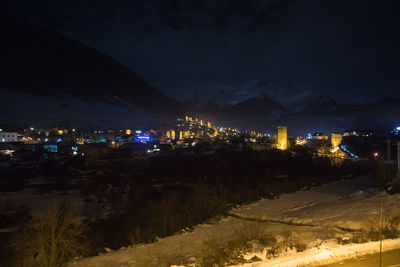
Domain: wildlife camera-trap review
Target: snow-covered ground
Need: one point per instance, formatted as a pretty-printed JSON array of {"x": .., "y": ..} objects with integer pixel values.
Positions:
[
  {"x": 315, "y": 216},
  {"x": 326, "y": 254},
  {"x": 344, "y": 204}
]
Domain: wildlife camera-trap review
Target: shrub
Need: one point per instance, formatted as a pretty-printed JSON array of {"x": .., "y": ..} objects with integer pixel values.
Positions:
[
  {"x": 390, "y": 228},
  {"x": 383, "y": 174},
  {"x": 359, "y": 238},
  {"x": 291, "y": 241},
  {"x": 53, "y": 239},
  {"x": 394, "y": 186},
  {"x": 244, "y": 238},
  {"x": 300, "y": 246}
]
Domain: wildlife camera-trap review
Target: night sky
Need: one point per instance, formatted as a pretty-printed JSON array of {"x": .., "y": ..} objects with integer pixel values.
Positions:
[{"x": 230, "y": 50}]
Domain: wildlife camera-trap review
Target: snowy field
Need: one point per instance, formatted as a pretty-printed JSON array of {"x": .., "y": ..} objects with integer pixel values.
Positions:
[
  {"x": 343, "y": 204},
  {"x": 316, "y": 216}
]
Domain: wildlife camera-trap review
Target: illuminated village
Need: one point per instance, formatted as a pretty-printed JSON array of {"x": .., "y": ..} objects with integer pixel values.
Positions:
[{"x": 187, "y": 133}]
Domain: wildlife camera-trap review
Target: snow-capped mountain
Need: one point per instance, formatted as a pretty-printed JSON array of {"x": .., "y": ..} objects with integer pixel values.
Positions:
[
  {"x": 260, "y": 106},
  {"x": 320, "y": 104}
]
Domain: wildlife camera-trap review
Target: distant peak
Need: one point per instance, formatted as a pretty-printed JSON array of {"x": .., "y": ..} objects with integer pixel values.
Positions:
[{"x": 325, "y": 98}]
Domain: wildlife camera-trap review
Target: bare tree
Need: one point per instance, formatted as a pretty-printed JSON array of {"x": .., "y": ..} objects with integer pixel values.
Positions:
[{"x": 53, "y": 239}]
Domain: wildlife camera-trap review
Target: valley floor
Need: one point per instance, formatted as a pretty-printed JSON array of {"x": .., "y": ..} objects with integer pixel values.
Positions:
[{"x": 317, "y": 216}]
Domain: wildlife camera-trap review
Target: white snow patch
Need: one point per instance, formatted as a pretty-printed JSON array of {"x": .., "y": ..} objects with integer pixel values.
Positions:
[{"x": 326, "y": 254}]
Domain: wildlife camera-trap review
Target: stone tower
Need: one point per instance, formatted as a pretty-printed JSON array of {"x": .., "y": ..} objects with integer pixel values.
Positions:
[
  {"x": 282, "y": 138},
  {"x": 336, "y": 139}
]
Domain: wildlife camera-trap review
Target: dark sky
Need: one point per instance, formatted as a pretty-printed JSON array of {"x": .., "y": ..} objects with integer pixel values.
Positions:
[{"x": 234, "y": 49}]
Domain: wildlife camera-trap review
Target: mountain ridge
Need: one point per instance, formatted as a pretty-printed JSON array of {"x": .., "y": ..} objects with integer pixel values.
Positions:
[
  {"x": 40, "y": 61},
  {"x": 257, "y": 106}
]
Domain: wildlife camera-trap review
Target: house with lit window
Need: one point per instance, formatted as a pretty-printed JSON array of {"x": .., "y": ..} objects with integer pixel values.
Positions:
[{"x": 8, "y": 137}]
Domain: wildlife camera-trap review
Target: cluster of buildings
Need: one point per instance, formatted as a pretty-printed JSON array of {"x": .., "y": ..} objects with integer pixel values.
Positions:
[
  {"x": 187, "y": 132},
  {"x": 189, "y": 127},
  {"x": 68, "y": 140},
  {"x": 325, "y": 146}
]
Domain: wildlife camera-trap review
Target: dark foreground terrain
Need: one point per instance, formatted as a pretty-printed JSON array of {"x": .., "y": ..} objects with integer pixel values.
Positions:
[{"x": 142, "y": 198}]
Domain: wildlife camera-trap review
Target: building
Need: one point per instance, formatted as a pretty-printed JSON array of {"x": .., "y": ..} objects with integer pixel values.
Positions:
[
  {"x": 282, "y": 138},
  {"x": 186, "y": 134},
  {"x": 320, "y": 136},
  {"x": 336, "y": 139},
  {"x": 6, "y": 137},
  {"x": 363, "y": 133},
  {"x": 215, "y": 132}
]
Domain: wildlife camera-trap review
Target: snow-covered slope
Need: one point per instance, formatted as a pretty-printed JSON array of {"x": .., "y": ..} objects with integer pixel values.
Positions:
[
  {"x": 315, "y": 215},
  {"x": 343, "y": 204},
  {"x": 46, "y": 111}
]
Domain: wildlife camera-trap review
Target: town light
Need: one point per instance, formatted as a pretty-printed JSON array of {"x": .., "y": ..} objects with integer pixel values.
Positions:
[{"x": 335, "y": 149}]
